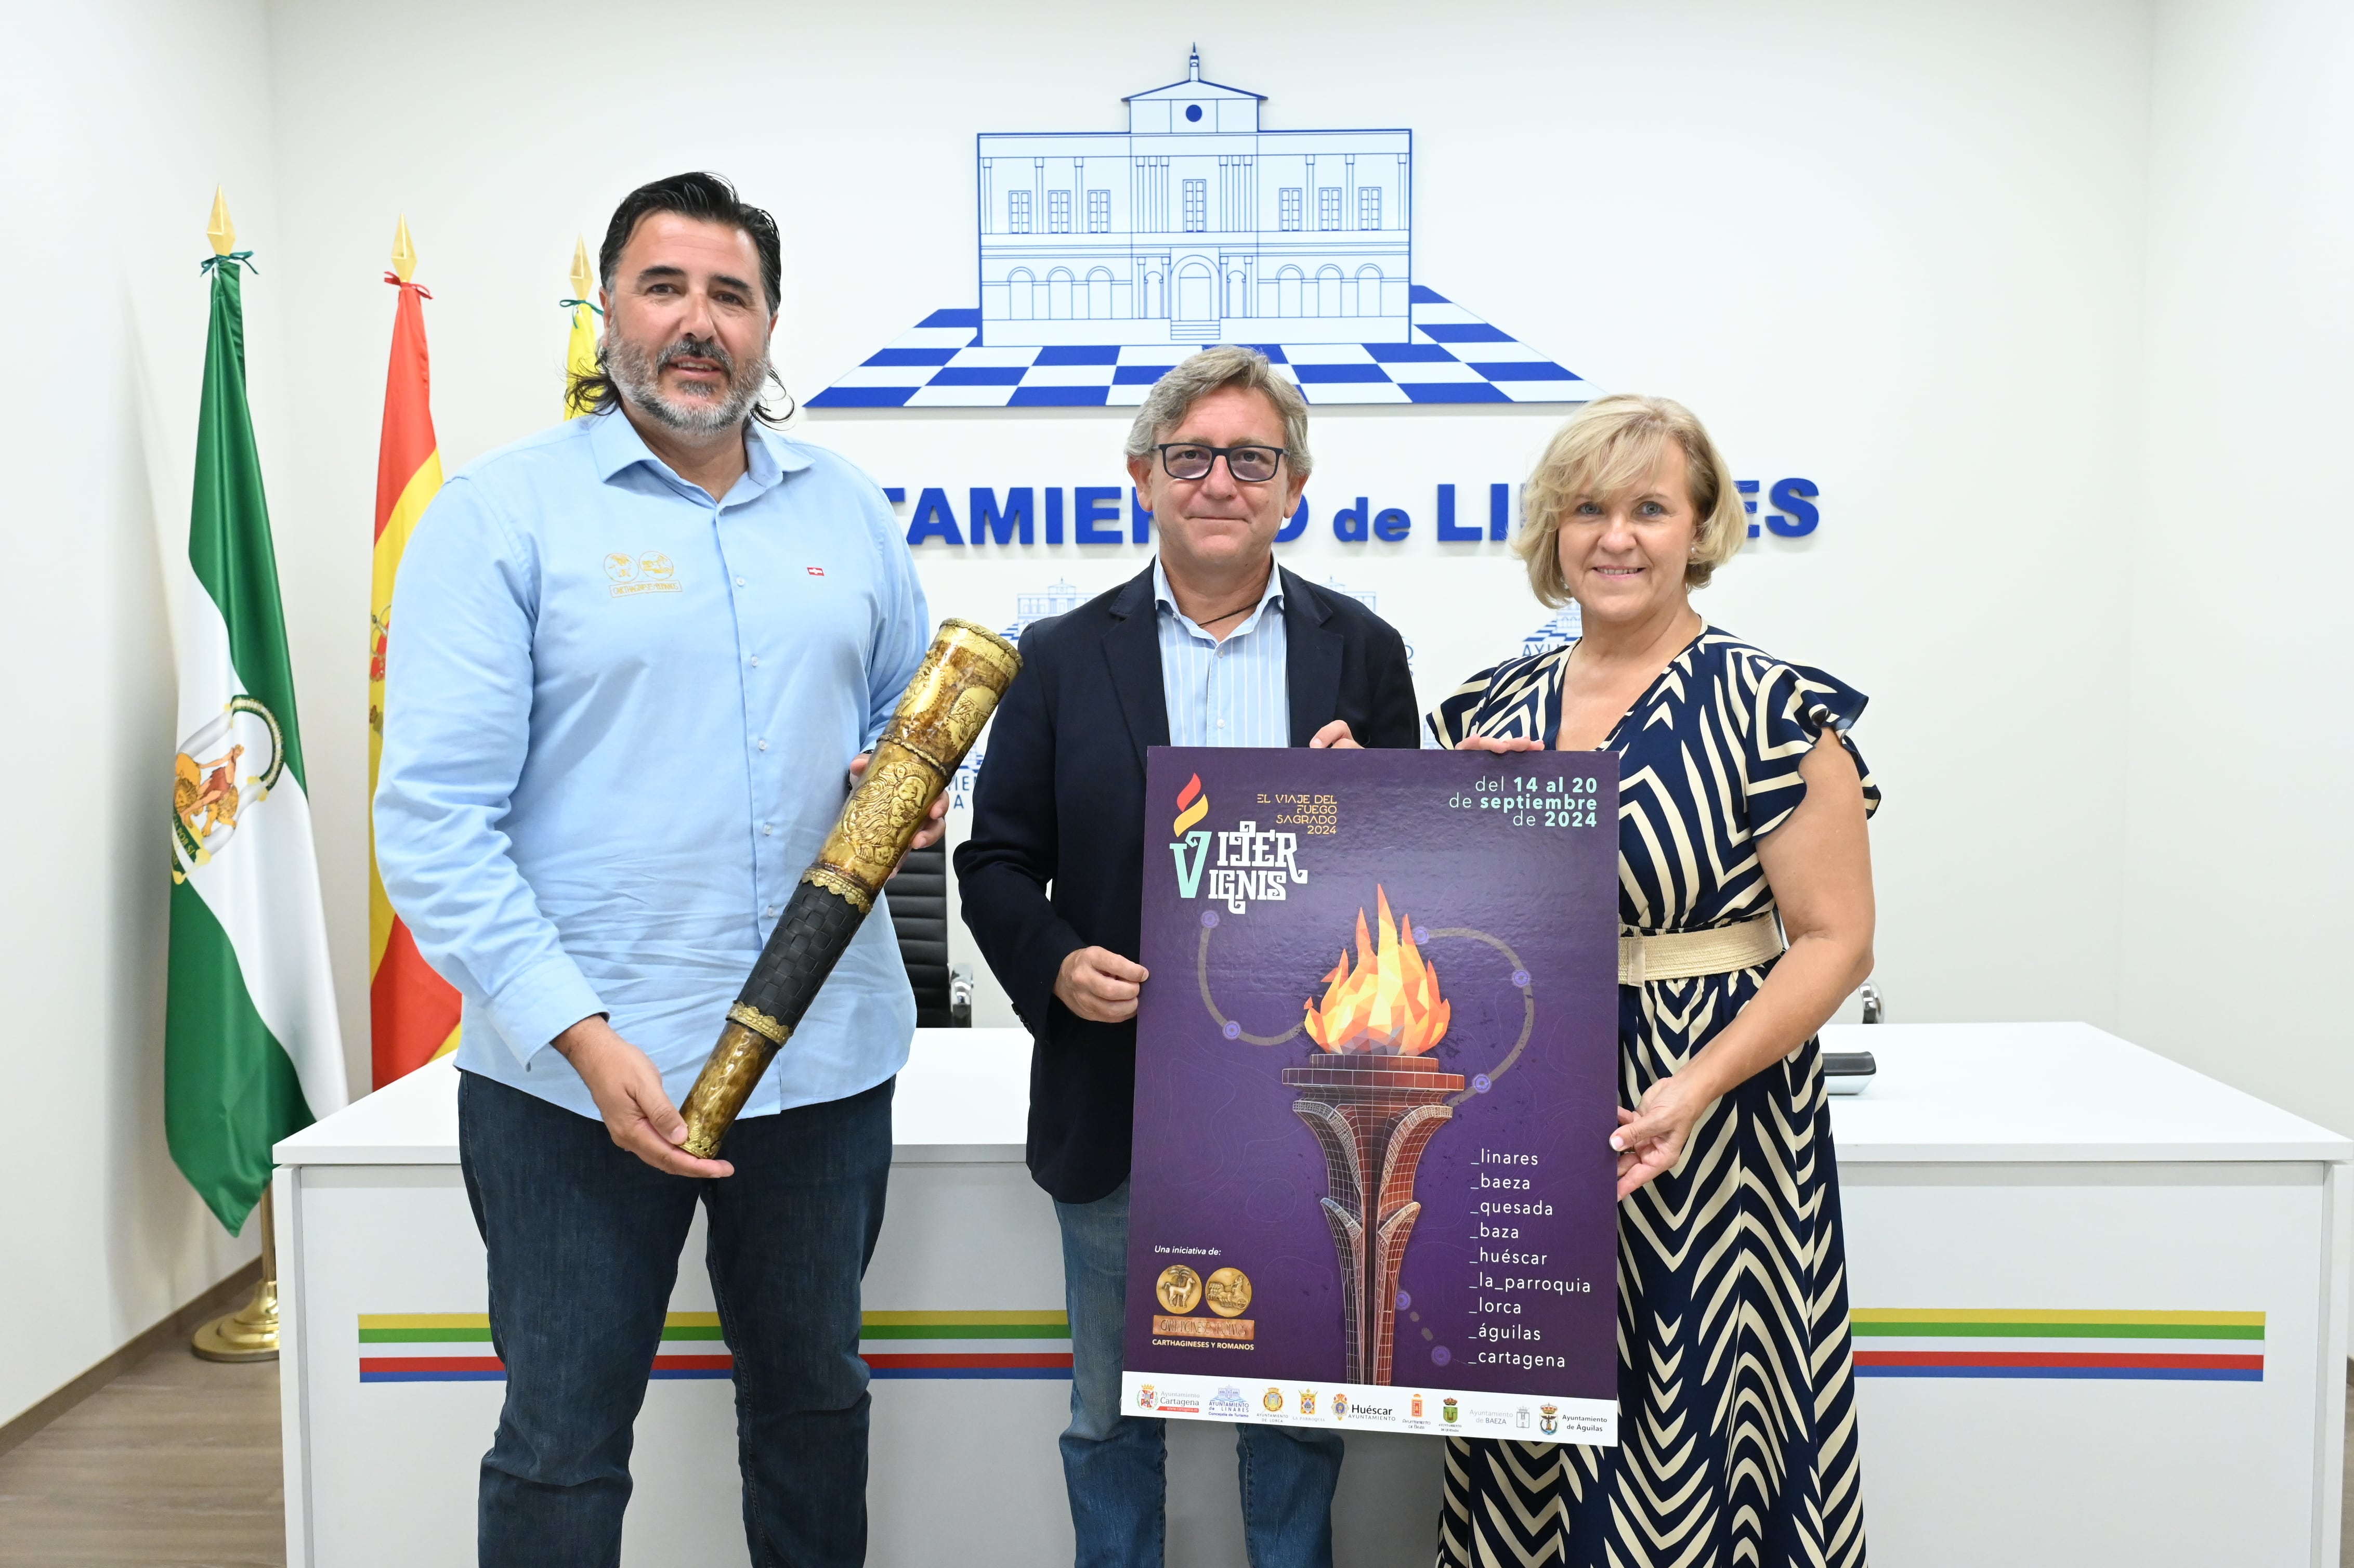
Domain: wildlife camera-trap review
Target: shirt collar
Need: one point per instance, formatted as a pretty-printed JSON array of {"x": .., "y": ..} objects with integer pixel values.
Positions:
[
  {"x": 1165, "y": 598},
  {"x": 617, "y": 445}
]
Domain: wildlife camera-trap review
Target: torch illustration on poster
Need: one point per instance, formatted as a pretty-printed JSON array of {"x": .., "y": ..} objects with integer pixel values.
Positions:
[{"x": 1375, "y": 1082}]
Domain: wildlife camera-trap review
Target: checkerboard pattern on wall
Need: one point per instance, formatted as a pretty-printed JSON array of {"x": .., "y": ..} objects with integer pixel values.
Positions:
[{"x": 1451, "y": 356}]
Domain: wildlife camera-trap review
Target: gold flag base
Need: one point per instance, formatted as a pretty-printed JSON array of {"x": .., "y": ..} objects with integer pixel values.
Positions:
[{"x": 249, "y": 1333}]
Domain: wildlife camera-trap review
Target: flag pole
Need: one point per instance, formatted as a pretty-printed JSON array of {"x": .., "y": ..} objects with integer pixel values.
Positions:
[{"x": 249, "y": 1333}]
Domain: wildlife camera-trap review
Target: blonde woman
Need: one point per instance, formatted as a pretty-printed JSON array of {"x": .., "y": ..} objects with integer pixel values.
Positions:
[{"x": 1745, "y": 910}]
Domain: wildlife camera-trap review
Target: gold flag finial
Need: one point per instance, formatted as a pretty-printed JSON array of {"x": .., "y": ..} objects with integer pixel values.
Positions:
[
  {"x": 404, "y": 251},
  {"x": 220, "y": 230},
  {"x": 584, "y": 277}
]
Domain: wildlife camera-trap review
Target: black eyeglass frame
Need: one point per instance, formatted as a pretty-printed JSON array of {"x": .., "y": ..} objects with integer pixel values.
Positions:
[{"x": 1282, "y": 454}]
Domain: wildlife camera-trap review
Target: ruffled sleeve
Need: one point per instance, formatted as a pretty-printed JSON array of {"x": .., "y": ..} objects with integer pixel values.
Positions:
[{"x": 1790, "y": 709}]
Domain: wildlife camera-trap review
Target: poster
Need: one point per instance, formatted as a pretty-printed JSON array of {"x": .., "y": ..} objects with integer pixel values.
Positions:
[{"x": 1375, "y": 1082}]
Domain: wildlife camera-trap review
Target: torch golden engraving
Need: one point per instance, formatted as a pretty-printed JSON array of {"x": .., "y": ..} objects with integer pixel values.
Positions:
[{"x": 939, "y": 718}]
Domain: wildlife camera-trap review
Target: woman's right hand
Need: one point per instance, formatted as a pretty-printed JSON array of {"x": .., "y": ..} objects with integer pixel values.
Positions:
[{"x": 1498, "y": 743}]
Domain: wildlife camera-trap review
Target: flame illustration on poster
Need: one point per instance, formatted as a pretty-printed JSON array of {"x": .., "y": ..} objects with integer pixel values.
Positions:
[
  {"x": 1410, "y": 958},
  {"x": 1192, "y": 805},
  {"x": 1390, "y": 1003},
  {"x": 1374, "y": 1116}
]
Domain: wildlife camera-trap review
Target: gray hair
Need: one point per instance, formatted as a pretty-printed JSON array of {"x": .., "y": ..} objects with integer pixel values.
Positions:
[{"x": 1212, "y": 370}]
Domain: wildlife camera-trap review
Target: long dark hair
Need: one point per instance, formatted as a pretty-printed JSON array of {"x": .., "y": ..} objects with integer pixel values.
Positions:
[{"x": 710, "y": 199}]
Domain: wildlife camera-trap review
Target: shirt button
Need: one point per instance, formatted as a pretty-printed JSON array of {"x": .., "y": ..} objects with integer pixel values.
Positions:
[
  {"x": 761, "y": 743},
  {"x": 769, "y": 910},
  {"x": 769, "y": 829},
  {"x": 739, "y": 582},
  {"x": 755, "y": 661},
  {"x": 1222, "y": 724}
]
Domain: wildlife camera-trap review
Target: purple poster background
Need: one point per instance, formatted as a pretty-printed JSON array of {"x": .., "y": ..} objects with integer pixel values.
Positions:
[{"x": 1503, "y": 871}]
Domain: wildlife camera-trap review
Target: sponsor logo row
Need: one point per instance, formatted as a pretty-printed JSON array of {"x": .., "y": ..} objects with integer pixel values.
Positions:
[{"x": 1390, "y": 1409}]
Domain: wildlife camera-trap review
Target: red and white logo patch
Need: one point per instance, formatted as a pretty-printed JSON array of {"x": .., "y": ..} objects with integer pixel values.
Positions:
[{"x": 816, "y": 571}]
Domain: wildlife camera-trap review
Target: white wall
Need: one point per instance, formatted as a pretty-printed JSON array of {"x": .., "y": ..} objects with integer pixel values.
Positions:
[
  {"x": 2029, "y": 288},
  {"x": 116, "y": 120},
  {"x": 2238, "y": 844},
  {"x": 1858, "y": 240}
]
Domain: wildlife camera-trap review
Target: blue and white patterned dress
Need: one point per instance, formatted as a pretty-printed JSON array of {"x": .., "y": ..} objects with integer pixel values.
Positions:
[{"x": 1737, "y": 1439}]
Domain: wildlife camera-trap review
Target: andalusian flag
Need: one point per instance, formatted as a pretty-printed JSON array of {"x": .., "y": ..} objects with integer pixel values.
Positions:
[
  {"x": 412, "y": 1011},
  {"x": 251, "y": 1052},
  {"x": 581, "y": 353}
]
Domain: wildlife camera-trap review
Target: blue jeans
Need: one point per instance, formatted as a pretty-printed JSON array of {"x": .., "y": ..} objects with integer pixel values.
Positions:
[
  {"x": 584, "y": 1240},
  {"x": 1113, "y": 1463}
]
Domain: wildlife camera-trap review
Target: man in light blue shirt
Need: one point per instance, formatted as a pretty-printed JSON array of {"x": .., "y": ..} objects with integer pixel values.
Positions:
[{"x": 633, "y": 658}]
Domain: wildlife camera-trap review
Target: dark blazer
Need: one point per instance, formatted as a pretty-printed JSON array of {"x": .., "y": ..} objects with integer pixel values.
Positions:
[{"x": 1060, "y": 806}]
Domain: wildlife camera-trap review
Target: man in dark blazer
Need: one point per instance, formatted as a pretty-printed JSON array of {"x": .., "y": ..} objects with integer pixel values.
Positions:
[{"x": 1212, "y": 646}]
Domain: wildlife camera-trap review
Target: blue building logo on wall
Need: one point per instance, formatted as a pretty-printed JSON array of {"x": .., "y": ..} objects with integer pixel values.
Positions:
[
  {"x": 1104, "y": 257},
  {"x": 1058, "y": 597},
  {"x": 1565, "y": 626}
]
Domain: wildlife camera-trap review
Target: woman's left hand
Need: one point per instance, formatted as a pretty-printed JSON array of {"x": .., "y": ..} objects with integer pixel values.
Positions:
[{"x": 1651, "y": 1138}]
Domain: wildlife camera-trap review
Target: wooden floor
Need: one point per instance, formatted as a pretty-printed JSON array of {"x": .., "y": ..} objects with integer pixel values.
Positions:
[
  {"x": 172, "y": 1465},
  {"x": 176, "y": 1465}
]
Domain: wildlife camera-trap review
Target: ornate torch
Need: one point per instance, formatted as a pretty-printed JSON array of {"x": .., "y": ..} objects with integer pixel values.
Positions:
[
  {"x": 1373, "y": 1097},
  {"x": 939, "y": 718}
]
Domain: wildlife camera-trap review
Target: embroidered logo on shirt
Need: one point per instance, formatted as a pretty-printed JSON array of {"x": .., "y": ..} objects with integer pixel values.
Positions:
[
  {"x": 649, "y": 573},
  {"x": 816, "y": 571}
]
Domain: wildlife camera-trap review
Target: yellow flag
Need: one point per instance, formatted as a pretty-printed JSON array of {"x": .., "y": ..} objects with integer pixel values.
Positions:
[{"x": 580, "y": 354}]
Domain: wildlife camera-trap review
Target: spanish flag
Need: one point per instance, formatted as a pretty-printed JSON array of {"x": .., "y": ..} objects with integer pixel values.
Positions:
[{"x": 412, "y": 1011}]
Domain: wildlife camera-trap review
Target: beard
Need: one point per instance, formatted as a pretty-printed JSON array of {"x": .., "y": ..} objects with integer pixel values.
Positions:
[{"x": 639, "y": 375}]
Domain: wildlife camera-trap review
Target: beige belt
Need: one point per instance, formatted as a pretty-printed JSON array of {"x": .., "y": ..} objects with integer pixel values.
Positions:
[{"x": 1679, "y": 955}]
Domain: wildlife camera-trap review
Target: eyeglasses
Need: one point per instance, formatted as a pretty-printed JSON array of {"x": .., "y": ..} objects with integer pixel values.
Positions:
[{"x": 1191, "y": 460}]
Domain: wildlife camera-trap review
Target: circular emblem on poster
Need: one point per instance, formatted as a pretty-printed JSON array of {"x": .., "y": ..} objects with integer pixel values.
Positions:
[
  {"x": 1179, "y": 1288},
  {"x": 1229, "y": 1291}
]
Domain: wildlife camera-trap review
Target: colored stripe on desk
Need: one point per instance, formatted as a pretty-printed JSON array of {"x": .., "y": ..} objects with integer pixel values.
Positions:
[
  {"x": 2013, "y": 1342},
  {"x": 416, "y": 1347}
]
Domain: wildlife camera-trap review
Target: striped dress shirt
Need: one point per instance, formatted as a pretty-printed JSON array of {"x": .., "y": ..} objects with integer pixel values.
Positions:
[{"x": 1233, "y": 692}]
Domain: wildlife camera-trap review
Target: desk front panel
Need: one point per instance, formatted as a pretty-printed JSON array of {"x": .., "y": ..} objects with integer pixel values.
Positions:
[
  {"x": 2090, "y": 1364},
  {"x": 2056, "y": 1363}
]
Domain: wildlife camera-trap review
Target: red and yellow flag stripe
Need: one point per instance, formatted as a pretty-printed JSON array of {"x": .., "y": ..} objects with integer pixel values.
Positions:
[{"x": 413, "y": 1012}]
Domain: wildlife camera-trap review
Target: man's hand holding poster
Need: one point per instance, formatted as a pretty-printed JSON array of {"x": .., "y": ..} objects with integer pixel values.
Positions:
[{"x": 1372, "y": 1184}]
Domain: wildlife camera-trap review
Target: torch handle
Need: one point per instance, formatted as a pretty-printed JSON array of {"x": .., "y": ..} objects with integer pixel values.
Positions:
[{"x": 816, "y": 930}]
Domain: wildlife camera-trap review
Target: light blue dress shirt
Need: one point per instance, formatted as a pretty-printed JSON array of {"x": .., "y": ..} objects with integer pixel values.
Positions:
[
  {"x": 1235, "y": 693},
  {"x": 619, "y": 718}
]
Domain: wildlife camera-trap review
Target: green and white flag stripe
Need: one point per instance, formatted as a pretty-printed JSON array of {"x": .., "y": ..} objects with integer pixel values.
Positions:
[{"x": 251, "y": 1049}]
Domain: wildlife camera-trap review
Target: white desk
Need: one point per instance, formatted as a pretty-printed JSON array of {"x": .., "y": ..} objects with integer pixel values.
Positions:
[{"x": 2131, "y": 1219}]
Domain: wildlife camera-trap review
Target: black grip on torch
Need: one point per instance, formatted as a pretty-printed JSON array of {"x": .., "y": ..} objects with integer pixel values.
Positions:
[{"x": 816, "y": 930}]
